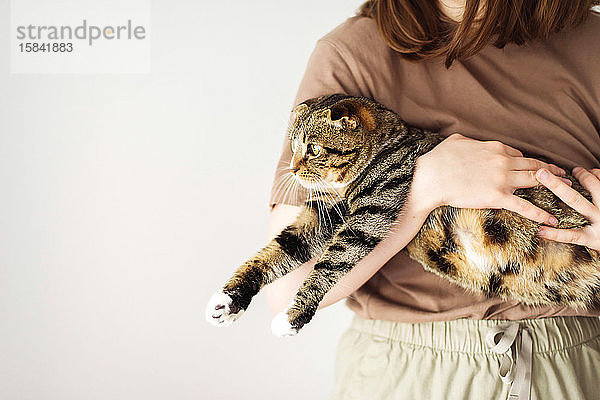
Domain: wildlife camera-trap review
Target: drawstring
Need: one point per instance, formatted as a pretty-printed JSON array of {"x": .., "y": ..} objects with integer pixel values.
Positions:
[{"x": 515, "y": 367}]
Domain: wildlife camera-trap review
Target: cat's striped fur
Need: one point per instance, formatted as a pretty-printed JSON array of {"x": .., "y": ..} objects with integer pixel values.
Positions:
[{"x": 358, "y": 158}]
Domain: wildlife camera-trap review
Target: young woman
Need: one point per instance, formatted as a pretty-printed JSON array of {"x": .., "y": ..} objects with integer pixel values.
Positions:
[{"x": 493, "y": 76}]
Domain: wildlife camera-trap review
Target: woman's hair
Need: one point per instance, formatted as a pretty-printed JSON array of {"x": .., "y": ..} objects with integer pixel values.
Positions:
[{"x": 418, "y": 29}]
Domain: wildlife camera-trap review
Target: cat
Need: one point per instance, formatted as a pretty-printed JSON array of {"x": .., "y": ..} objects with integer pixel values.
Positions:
[{"x": 358, "y": 158}]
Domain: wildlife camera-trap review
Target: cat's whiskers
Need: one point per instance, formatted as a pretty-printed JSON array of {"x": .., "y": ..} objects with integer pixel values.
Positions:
[
  {"x": 332, "y": 201},
  {"x": 310, "y": 203},
  {"x": 288, "y": 191},
  {"x": 310, "y": 199},
  {"x": 318, "y": 190},
  {"x": 332, "y": 189},
  {"x": 321, "y": 205},
  {"x": 283, "y": 183},
  {"x": 335, "y": 205},
  {"x": 315, "y": 188},
  {"x": 294, "y": 190},
  {"x": 320, "y": 187},
  {"x": 287, "y": 184},
  {"x": 329, "y": 198}
]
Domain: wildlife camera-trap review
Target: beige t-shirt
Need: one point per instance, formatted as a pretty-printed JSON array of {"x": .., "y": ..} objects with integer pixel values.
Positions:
[{"x": 542, "y": 98}]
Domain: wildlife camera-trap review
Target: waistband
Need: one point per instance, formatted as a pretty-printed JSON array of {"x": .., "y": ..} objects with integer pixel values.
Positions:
[{"x": 468, "y": 335}]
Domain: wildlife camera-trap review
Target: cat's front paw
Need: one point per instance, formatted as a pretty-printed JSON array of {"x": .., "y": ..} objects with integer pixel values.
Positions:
[
  {"x": 221, "y": 310},
  {"x": 281, "y": 326}
]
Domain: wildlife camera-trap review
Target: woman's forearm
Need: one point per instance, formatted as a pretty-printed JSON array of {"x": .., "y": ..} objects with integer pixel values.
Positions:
[
  {"x": 408, "y": 225},
  {"x": 281, "y": 292}
]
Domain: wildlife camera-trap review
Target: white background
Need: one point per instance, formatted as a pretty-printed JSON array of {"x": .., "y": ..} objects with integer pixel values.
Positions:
[{"x": 126, "y": 200}]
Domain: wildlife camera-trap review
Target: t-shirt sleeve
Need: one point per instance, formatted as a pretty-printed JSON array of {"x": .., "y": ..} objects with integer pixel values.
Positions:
[{"x": 328, "y": 71}]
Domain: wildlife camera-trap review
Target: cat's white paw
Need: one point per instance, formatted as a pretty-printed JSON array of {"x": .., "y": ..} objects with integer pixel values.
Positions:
[
  {"x": 280, "y": 325},
  {"x": 218, "y": 310}
]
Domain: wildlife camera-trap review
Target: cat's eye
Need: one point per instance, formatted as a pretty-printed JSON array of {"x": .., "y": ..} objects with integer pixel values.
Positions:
[{"x": 313, "y": 150}]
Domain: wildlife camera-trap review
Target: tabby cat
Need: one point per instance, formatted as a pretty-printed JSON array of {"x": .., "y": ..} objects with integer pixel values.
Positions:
[{"x": 358, "y": 158}]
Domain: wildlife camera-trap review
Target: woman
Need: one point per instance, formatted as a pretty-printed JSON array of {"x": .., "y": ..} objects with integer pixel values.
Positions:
[{"x": 493, "y": 77}]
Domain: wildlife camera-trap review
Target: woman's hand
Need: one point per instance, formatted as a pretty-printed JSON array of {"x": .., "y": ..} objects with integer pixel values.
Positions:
[
  {"x": 589, "y": 235},
  {"x": 468, "y": 173}
]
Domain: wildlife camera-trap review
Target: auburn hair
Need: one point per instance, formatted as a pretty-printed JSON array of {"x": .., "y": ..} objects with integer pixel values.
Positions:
[{"x": 419, "y": 29}]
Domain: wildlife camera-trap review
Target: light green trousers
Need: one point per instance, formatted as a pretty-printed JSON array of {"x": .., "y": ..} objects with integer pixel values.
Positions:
[{"x": 383, "y": 360}]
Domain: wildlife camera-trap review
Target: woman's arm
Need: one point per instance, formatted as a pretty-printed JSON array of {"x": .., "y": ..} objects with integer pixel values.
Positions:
[
  {"x": 460, "y": 172},
  {"x": 281, "y": 292}
]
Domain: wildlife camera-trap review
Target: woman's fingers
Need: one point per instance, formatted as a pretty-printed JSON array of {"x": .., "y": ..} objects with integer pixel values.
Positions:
[
  {"x": 528, "y": 210},
  {"x": 589, "y": 181},
  {"x": 511, "y": 151},
  {"x": 575, "y": 236},
  {"x": 596, "y": 172},
  {"x": 525, "y": 179},
  {"x": 531, "y": 164},
  {"x": 571, "y": 197}
]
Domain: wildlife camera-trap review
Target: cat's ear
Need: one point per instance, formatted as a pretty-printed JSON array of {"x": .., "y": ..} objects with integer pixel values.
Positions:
[
  {"x": 349, "y": 123},
  {"x": 300, "y": 109},
  {"x": 349, "y": 116}
]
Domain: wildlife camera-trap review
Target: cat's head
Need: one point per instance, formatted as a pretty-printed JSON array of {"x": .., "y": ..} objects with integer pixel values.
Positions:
[{"x": 333, "y": 138}]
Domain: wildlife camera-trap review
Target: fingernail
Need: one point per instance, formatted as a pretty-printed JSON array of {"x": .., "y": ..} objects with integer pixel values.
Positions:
[
  {"x": 553, "y": 221},
  {"x": 562, "y": 172},
  {"x": 543, "y": 174},
  {"x": 568, "y": 182},
  {"x": 577, "y": 169}
]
